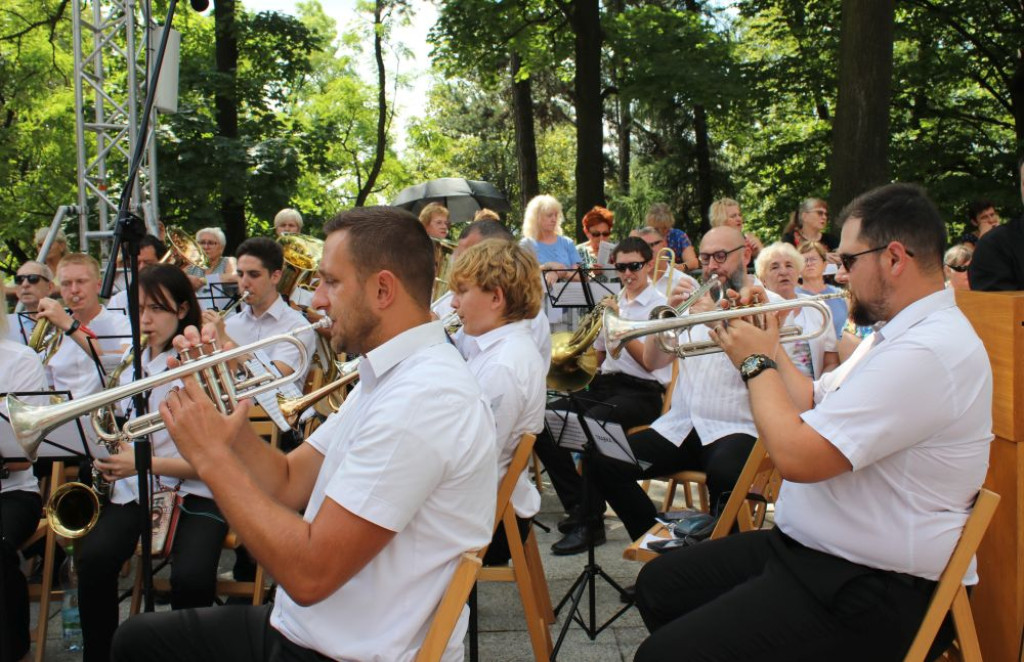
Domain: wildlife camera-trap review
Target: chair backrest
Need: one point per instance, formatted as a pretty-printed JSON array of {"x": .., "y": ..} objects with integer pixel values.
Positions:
[
  {"x": 508, "y": 483},
  {"x": 450, "y": 608},
  {"x": 759, "y": 477},
  {"x": 949, "y": 592},
  {"x": 666, "y": 404}
]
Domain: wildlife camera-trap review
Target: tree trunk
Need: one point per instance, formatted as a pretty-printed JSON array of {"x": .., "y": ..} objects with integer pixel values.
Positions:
[
  {"x": 625, "y": 143},
  {"x": 233, "y": 179},
  {"x": 1017, "y": 99},
  {"x": 703, "y": 148},
  {"x": 586, "y": 22},
  {"x": 860, "y": 134},
  {"x": 526, "y": 138},
  {"x": 382, "y": 109}
]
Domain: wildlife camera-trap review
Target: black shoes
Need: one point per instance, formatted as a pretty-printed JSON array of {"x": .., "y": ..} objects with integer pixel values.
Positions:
[{"x": 576, "y": 540}]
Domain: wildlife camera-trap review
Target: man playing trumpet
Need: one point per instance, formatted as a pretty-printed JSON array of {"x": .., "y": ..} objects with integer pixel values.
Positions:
[{"x": 391, "y": 498}]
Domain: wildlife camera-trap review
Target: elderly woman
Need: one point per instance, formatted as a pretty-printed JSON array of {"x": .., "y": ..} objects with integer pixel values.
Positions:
[
  {"x": 955, "y": 263},
  {"x": 542, "y": 233},
  {"x": 435, "y": 219},
  {"x": 726, "y": 211},
  {"x": 779, "y": 266},
  {"x": 288, "y": 221},
  {"x": 813, "y": 282},
  {"x": 58, "y": 249},
  {"x": 212, "y": 241},
  {"x": 660, "y": 217},
  {"x": 597, "y": 225},
  {"x": 808, "y": 223}
]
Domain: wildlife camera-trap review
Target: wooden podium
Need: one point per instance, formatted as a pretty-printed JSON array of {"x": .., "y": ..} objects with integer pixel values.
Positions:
[{"x": 998, "y": 602}]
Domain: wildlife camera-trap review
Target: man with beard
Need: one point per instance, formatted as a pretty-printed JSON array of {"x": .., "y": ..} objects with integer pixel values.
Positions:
[
  {"x": 709, "y": 427},
  {"x": 390, "y": 501},
  {"x": 881, "y": 459}
]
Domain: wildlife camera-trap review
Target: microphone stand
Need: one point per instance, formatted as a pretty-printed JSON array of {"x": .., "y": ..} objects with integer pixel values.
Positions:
[{"x": 128, "y": 232}]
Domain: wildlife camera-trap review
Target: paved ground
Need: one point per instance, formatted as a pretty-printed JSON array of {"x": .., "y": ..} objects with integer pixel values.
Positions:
[{"x": 503, "y": 636}]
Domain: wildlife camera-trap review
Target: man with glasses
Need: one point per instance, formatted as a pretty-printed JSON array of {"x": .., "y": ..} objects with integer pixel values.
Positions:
[
  {"x": 33, "y": 282},
  {"x": 709, "y": 426},
  {"x": 881, "y": 460},
  {"x": 625, "y": 391}
]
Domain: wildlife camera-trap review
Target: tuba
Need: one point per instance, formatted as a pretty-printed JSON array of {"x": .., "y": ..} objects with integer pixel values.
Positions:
[
  {"x": 183, "y": 251},
  {"x": 573, "y": 357},
  {"x": 301, "y": 257}
]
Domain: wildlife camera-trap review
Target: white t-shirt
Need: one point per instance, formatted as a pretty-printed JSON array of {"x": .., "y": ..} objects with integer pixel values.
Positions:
[
  {"x": 20, "y": 370},
  {"x": 638, "y": 309},
  {"x": 912, "y": 412},
  {"x": 412, "y": 450},
  {"x": 511, "y": 374},
  {"x": 245, "y": 328}
]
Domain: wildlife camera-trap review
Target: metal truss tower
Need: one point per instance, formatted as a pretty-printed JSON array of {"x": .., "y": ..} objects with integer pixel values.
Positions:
[{"x": 112, "y": 44}]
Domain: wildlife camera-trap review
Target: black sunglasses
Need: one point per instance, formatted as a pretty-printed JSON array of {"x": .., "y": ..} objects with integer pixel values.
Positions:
[
  {"x": 630, "y": 266},
  {"x": 960, "y": 268},
  {"x": 717, "y": 256},
  {"x": 31, "y": 278},
  {"x": 601, "y": 234},
  {"x": 849, "y": 260}
]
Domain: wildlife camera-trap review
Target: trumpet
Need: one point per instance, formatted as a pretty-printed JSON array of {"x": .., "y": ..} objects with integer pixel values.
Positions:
[
  {"x": 619, "y": 331},
  {"x": 31, "y": 423},
  {"x": 72, "y": 510}
]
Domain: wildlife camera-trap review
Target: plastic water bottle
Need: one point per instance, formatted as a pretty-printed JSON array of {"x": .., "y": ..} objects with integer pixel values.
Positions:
[{"x": 69, "y": 615}]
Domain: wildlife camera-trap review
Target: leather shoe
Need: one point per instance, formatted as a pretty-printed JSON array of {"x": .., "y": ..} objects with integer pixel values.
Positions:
[
  {"x": 572, "y": 520},
  {"x": 576, "y": 541},
  {"x": 628, "y": 595}
]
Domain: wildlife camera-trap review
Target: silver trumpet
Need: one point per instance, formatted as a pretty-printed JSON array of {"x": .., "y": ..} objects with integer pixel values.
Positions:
[
  {"x": 619, "y": 331},
  {"x": 31, "y": 423}
]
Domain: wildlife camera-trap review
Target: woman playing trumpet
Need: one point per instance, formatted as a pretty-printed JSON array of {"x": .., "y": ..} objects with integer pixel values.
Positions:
[{"x": 167, "y": 304}]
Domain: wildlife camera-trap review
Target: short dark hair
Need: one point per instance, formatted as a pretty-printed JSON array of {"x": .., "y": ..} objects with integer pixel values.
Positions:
[
  {"x": 903, "y": 213},
  {"x": 391, "y": 239},
  {"x": 158, "y": 246},
  {"x": 633, "y": 245},
  {"x": 267, "y": 251},
  {"x": 487, "y": 229},
  {"x": 156, "y": 278},
  {"x": 975, "y": 207}
]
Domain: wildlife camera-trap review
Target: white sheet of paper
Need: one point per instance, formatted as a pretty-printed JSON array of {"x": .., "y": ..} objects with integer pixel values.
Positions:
[
  {"x": 648, "y": 539},
  {"x": 604, "y": 253}
]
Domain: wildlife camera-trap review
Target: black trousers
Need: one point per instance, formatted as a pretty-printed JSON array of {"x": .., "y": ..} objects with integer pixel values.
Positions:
[
  {"x": 762, "y": 596},
  {"x": 227, "y": 634},
  {"x": 615, "y": 397},
  {"x": 19, "y": 517},
  {"x": 498, "y": 552},
  {"x": 100, "y": 555},
  {"x": 722, "y": 461}
]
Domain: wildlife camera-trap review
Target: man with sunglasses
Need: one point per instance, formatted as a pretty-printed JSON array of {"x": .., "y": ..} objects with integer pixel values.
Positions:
[
  {"x": 33, "y": 282},
  {"x": 881, "y": 460},
  {"x": 624, "y": 391}
]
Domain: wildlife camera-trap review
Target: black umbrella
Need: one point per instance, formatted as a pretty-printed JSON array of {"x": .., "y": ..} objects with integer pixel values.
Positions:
[{"x": 462, "y": 197}]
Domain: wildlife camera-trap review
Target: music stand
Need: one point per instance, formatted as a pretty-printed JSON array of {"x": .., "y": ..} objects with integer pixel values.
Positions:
[
  {"x": 591, "y": 438},
  {"x": 64, "y": 441}
]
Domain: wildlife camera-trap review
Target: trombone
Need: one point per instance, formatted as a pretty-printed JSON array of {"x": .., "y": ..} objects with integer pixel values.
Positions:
[
  {"x": 619, "y": 331},
  {"x": 665, "y": 257},
  {"x": 31, "y": 423}
]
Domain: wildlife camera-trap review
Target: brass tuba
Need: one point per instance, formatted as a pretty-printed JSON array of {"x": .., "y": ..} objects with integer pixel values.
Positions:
[
  {"x": 302, "y": 255},
  {"x": 183, "y": 251},
  {"x": 573, "y": 357}
]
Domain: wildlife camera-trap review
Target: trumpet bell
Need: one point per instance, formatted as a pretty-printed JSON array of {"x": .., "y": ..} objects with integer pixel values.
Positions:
[
  {"x": 571, "y": 369},
  {"x": 302, "y": 255},
  {"x": 30, "y": 424},
  {"x": 183, "y": 250},
  {"x": 72, "y": 510}
]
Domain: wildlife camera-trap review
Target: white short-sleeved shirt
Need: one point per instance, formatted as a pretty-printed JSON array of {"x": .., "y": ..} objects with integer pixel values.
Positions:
[
  {"x": 540, "y": 327},
  {"x": 20, "y": 370},
  {"x": 19, "y": 328},
  {"x": 127, "y": 489},
  {"x": 412, "y": 450},
  {"x": 912, "y": 412},
  {"x": 245, "y": 328},
  {"x": 637, "y": 309},
  {"x": 511, "y": 374},
  {"x": 709, "y": 395}
]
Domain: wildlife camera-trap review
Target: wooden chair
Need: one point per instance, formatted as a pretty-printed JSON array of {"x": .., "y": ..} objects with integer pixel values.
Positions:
[
  {"x": 44, "y": 593},
  {"x": 527, "y": 569},
  {"x": 450, "y": 608},
  {"x": 950, "y": 594}
]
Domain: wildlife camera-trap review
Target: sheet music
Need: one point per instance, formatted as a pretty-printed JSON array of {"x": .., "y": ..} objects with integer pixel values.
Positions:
[
  {"x": 571, "y": 294},
  {"x": 565, "y": 429},
  {"x": 604, "y": 252},
  {"x": 216, "y": 294},
  {"x": 611, "y": 441},
  {"x": 268, "y": 399}
]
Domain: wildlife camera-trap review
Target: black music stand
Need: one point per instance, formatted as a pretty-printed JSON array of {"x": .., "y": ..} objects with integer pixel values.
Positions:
[
  {"x": 579, "y": 289},
  {"x": 578, "y": 435}
]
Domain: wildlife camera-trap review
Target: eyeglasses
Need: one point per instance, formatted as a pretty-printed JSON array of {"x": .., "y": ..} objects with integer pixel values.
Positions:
[
  {"x": 959, "y": 268},
  {"x": 32, "y": 279},
  {"x": 630, "y": 266},
  {"x": 717, "y": 256},
  {"x": 601, "y": 234},
  {"x": 849, "y": 260}
]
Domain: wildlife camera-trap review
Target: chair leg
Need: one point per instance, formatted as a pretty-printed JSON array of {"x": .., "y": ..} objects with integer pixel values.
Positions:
[
  {"x": 670, "y": 495},
  {"x": 535, "y": 567},
  {"x": 966, "y": 634},
  {"x": 540, "y": 635},
  {"x": 136, "y": 603},
  {"x": 259, "y": 589}
]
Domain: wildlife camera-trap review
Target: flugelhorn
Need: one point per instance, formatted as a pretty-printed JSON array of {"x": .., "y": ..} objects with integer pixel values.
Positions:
[
  {"x": 31, "y": 423},
  {"x": 619, "y": 331},
  {"x": 45, "y": 340},
  {"x": 292, "y": 408}
]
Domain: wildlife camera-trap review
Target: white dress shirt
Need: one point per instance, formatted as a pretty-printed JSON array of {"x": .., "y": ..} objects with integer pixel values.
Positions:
[
  {"x": 127, "y": 489},
  {"x": 913, "y": 415},
  {"x": 709, "y": 395},
  {"x": 511, "y": 374},
  {"x": 412, "y": 450},
  {"x": 20, "y": 370},
  {"x": 540, "y": 327},
  {"x": 636, "y": 309},
  {"x": 19, "y": 328},
  {"x": 244, "y": 328}
]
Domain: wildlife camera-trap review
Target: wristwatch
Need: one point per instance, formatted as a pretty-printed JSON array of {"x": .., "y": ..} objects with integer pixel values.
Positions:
[
  {"x": 75, "y": 324},
  {"x": 754, "y": 365}
]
